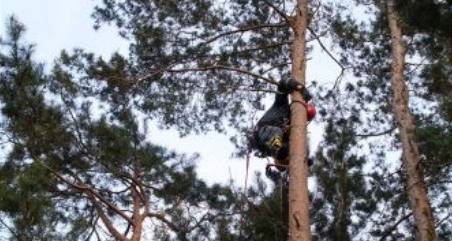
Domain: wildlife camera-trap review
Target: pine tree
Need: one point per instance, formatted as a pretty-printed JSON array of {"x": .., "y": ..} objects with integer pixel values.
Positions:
[
  {"x": 220, "y": 54},
  {"x": 266, "y": 214},
  {"x": 368, "y": 49},
  {"x": 426, "y": 22},
  {"x": 79, "y": 166},
  {"x": 351, "y": 184},
  {"x": 341, "y": 191},
  {"x": 417, "y": 191}
]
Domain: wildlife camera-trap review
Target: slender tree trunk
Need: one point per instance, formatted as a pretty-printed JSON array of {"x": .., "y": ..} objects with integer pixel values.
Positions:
[
  {"x": 416, "y": 188},
  {"x": 299, "y": 225},
  {"x": 138, "y": 202},
  {"x": 137, "y": 217}
]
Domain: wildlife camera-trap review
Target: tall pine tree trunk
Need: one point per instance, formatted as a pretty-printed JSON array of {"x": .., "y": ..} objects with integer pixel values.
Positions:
[
  {"x": 416, "y": 188},
  {"x": 299, "y": 225},
  {"x": 137, "y": 217}
]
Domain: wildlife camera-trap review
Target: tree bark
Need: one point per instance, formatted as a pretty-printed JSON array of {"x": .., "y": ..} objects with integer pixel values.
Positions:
[
  {"x": 299, "y": 225},
  {"x": 416, "y": 188},
  {"x": 137, "y": 217}
]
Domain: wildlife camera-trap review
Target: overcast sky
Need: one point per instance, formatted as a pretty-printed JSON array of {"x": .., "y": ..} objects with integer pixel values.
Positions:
[{"x": 54, "y": 25}]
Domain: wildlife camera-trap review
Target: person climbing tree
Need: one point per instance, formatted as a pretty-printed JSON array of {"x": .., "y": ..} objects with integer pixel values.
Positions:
[{"x": 271, "y": 135}]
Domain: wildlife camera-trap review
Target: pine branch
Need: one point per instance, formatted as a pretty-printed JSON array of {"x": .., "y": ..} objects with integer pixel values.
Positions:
[
  {"x": 377, "y": 133},
  {"x": 389, "y": 230},
  {"x": 144, "y": 77},
  {"x": 163, "y": 219},
  {"x": 202, "y": 69},
  {"x": 277, "y": 10},
  {"x": 79, "y": 136},
  {"x": 105, "y": 201},
  {"x": 251, "y": 49},
  {"x": 83, "y": 187},
  {"x": 276, "y": 66},
  {"x": 222, "y": 67},
  {"x": 244, "y": 29},
  {"x": 106, "y": 220},
  {"x": 127, "y": 177}
]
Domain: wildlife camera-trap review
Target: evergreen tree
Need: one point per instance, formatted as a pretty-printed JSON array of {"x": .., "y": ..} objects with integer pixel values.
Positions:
[
  {"x": 416, "y": 188},
  {"x": 214, "y": 51},
  {"x": 353, "y": 183},
  {"x": 79, "y": 166},
  {"x": 367, "y": 48},
  {"x": 341, "y": 193},
  {"x": 266, "y": 217},
  {"x": 263, "y": 212}
]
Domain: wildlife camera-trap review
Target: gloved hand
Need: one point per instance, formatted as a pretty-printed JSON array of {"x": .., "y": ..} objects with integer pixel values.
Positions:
[{"x": 289, "y": 85}]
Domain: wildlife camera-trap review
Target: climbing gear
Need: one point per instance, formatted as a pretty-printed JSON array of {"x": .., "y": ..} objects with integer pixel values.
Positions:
[
  {"x": 276, "y": 142},
  {"x": 311, "y": 111},
  {"x": 269, "y": 139},
  {"x": 293, "y": 85}
]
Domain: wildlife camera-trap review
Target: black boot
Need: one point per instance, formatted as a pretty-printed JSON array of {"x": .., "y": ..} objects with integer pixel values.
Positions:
[
  {"x": 272, "y": 174},
  {"x": 310, "y": 161}
]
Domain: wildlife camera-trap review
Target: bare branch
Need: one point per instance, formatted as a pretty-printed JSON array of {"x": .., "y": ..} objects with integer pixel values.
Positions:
[
  {"x": 11, "y": 230},
  {"x": 97, "y": 234},
  {"x": 126, "y": 232},
  {"x": 416, "y": 66},
  {"x": 325, "y": 48},
  {"x": 377, "y": 134},
  {"x": 93, "y": 222},
  {"x": 343, "y": 68},
  {"x": 442, "y": 220},
  {"x": 338, "y": 80}
]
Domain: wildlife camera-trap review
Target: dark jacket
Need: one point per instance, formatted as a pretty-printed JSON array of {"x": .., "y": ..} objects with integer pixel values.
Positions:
[{"x": 278, "y": 114}]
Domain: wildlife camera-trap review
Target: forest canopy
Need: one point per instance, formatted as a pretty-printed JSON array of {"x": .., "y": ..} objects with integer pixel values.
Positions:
[{"x": 79, "y": 163}]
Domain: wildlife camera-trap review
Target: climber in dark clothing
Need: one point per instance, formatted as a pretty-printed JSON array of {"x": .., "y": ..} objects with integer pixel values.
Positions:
[{"x": 271, "y": 135}]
